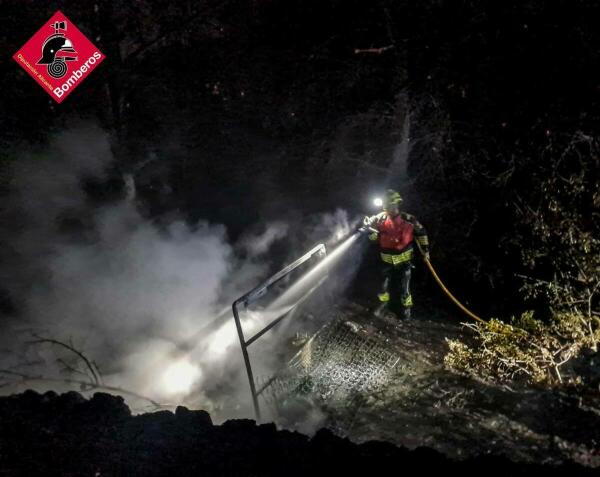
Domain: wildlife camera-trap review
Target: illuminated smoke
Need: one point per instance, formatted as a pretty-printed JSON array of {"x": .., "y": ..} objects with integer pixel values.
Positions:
[
  {"x": 179, "y": 377},
  {"x": 313, "y": 277},
  {"x": 150, "y": 303}
]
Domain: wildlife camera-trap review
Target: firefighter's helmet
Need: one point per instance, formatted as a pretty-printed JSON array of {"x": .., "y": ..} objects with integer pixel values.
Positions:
[
  {"x": 392, "y": 197},
  {"x": 52, "y": 46}
]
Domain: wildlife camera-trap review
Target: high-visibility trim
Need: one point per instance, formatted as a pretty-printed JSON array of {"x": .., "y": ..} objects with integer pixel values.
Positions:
[
  {"x": 397, "y": 258},
  {"x": 384, "y": 297},
  {"x": 374, "y": 236},
  {"x": 423, "y": 240},
  {"x": 407, "y": 301}
]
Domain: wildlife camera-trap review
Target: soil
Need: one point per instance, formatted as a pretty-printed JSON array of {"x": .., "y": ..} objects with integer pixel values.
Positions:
[{"x": 422, "y": 403}]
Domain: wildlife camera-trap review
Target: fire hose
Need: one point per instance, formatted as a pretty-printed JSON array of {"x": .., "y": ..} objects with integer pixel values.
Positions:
[
  {"x": 445, "y": 290},
  {"x": 368, "y": 228}
]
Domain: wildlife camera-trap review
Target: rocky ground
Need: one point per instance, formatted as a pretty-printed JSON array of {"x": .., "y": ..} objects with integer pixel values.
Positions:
[{"x": 68, "y": 435}]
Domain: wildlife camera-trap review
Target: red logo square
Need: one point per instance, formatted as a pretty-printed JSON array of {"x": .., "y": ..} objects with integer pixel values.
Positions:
[{"x": 59, "y": 57}]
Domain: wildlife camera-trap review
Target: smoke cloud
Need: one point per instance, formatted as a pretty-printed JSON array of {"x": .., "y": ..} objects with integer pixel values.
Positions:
[
  {"x": 124, "y": 289},
  {"x": 149, "y": 302}
]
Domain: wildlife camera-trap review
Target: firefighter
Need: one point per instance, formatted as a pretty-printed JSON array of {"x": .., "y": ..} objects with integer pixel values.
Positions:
[{"x": 395, "y": 232}]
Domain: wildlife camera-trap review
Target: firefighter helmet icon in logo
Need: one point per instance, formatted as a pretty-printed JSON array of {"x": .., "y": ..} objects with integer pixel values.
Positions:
[
  {"x": 57, "y": 50},
  {"x": 59, "y": 57}
]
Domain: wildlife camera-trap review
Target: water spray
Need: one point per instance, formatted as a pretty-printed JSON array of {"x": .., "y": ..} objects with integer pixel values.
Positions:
[
  {"x": 321, "y": 270},
  {"x": 180, "y": 374}
]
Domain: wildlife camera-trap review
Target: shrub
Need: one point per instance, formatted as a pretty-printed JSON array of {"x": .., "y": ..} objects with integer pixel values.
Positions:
[{"x": 526, "y": 349}]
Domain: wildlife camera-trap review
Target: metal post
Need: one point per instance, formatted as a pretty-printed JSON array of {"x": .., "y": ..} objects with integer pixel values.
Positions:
[
  {"x": 255, "y": 294},
  {"x": 238, "y": 325}
]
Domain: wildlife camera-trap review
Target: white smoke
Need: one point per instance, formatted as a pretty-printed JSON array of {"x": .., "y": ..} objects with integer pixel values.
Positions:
[
  {"x": 123, "y": 289},
  {"x": 330, "y": 228},
  {"x": 150, "y": 303},
  {"x": 256, "y": 245}
]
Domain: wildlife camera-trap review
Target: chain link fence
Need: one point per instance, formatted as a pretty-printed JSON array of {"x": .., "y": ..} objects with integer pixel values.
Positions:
[{"x": 336, "y": 370}]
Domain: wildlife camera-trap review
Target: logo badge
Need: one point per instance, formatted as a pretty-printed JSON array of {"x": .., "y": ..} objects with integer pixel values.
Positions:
[{"x": 59, "y": 57}]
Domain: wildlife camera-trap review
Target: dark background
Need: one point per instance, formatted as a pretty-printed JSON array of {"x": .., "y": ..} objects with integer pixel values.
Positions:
[{"x": 241, "y": 112}]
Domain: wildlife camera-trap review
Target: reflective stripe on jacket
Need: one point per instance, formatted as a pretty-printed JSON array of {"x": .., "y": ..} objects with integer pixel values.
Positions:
[{"x": 396, "y": 258}]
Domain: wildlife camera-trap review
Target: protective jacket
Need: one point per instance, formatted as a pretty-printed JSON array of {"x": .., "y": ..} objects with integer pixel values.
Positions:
[{"x": 396, "y": 235}]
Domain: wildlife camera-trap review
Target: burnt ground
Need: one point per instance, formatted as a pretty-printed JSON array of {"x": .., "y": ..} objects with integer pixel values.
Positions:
[
  {"x": 421, "y": 403},
  {"x": 413, "y": 413},
  {"x": 69, "y": 435}
]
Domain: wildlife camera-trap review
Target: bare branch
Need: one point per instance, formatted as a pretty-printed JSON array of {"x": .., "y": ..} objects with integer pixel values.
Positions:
[
  {"x": 376, "y": 51},
  {"x": 91, "y": 368}
]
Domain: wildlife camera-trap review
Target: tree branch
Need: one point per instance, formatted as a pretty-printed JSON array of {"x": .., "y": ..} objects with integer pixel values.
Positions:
[
  {"x": 376, "y": 51},
  {"x": 90, "y": 366}
]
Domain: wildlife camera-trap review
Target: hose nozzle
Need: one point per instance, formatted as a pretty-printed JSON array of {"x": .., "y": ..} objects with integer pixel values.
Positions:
[{"x": 366, "y": 228}]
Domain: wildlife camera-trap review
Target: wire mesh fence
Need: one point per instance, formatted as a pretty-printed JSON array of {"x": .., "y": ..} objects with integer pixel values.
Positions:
[{"x": 336, "y": 369}]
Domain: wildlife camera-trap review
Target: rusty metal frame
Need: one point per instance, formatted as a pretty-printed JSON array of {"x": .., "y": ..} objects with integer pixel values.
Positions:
[{"x": 254, "y": 295}]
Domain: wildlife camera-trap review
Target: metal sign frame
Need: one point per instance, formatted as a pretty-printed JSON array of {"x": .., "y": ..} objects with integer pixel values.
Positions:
[{"x": 251, "y": 297}]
